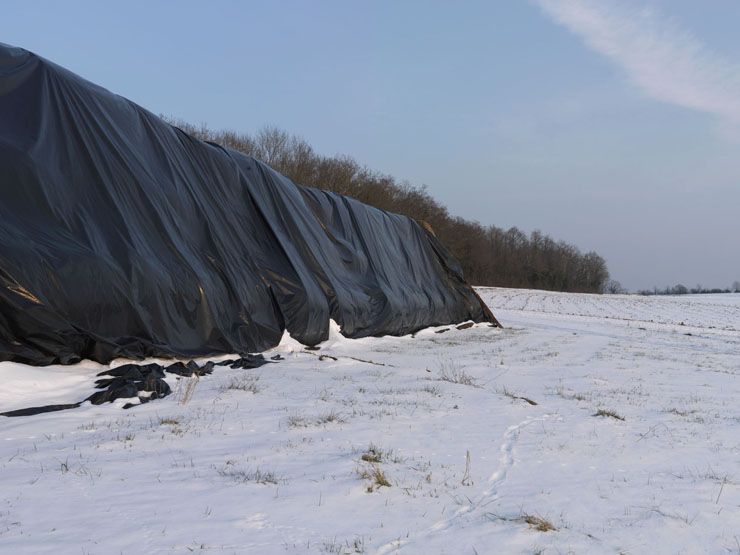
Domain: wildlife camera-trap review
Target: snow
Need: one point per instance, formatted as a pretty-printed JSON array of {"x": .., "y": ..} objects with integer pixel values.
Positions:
[{"x": 271, "y": 460}]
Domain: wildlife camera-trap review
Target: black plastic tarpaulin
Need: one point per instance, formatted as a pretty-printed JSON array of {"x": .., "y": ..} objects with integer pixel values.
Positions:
[{"x": 121, "y": 235}]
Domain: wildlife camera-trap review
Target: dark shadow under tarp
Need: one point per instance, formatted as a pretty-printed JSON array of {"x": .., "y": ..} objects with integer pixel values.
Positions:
[{"x": 120, "y": 235}]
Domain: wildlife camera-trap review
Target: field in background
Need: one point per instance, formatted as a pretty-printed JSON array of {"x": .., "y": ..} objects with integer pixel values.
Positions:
[{"x": 590, "y": 424}]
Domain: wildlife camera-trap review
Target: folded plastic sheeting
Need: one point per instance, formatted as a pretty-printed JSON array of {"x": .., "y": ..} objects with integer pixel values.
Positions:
[{"x": 120, "y": 235}]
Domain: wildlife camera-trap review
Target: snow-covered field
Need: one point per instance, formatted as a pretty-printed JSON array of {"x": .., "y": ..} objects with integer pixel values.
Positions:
[{"x": 291, "y": 457}]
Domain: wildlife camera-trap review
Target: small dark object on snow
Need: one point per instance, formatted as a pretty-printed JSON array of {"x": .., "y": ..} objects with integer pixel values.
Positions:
[
  {"x": 245, "y": 362},
  {"x": 313, "y": 348},
  {"x": 465, "y": 326},
  {"x": 442, "y": 330},
  {"x": 130, "y": 370},
  {"x": 187, "y": 370},
  {"x": 116, "y": 390}
]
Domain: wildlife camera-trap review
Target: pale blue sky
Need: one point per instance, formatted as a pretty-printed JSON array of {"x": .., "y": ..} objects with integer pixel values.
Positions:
[{"x": 614, "y": 125}]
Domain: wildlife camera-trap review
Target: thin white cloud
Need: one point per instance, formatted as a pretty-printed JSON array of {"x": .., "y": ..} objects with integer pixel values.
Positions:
[{"x": 663, "y": 60}]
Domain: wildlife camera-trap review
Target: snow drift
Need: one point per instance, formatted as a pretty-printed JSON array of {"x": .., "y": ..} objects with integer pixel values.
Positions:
[{"x": 120, "y": 235}]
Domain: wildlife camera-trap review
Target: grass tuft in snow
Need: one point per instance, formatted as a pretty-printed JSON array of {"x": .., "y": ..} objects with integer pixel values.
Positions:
[
  {"x": 575, "y": 396},
  {"x": 375, "y": 454},
  {"x": 297, "y": 421},
  {"x": 608, "y": 414},
  {"x": 244, "y": 383},
  {"x": 300, "y": 421},
  {"x": 257, "y": 476},
  {"x": 344, "y": 548},
  {"x": 538, "y": 523},
  {"x": 432, "y": 390},
  {"x": 330, "y": 417},
  {"x": 376, "y": 476},
  {"x": 680, "y": 412},
  {"x": 450, "y": 372},
  {"x": 169, "y": 421}
]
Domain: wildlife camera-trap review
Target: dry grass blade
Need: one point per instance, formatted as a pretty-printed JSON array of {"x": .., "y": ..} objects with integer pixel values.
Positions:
[
  {"x": 518, "y": 397},
  {"x": 189, "y": 390},
  {"x": 377, "y": 477},
  {"x": 608, "y": 414},
  {"x": 466, "y": 480},
  {"x": 538, "y": 523}
]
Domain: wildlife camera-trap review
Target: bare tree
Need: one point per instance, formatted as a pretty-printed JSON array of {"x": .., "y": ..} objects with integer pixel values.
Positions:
[{"x": 613, "y": 287}]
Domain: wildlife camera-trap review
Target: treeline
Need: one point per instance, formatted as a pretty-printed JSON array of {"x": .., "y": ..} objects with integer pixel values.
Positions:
[
  {"x": 489, "y": 255},
  {"x": 680, "y": 289}
]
